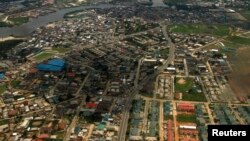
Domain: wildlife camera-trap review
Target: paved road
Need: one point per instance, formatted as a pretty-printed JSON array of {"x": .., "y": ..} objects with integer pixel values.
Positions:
[
  {"x": 76, "y": 117},
  {"x": 135, "y": 90},
  {"x": 161, "y": 129}
]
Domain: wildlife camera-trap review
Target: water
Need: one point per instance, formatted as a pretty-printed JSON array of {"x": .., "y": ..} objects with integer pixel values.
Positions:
[
  {"x": 158, "y": 3},
  {"x": 29, "y": 27}
]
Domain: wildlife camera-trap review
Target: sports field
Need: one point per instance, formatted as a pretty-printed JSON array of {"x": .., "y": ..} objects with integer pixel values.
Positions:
[{"x": 216, "y": 30}]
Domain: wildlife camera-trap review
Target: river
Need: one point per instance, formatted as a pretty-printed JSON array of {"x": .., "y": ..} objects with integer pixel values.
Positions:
[
  {"x": 27, "y": 28},
  {"x": 158, "y": 3}
]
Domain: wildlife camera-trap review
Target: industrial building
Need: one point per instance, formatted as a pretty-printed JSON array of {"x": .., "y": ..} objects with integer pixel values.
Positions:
[{"x": 53, "y": 65}]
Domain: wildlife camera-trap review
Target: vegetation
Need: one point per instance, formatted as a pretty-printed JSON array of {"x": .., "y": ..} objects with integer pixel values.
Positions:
[
  {"x": 194, "y": 97},
  {"x": 216, "y": 30},
  {"x": 246, "y": 14},
  {"x": 185, "y": 86},
  {"x": 189, "y": 90},
  {"x": 2, "y": 88},
  {"x": 239, "y": 40},
  {"x": 18, "y": 20},
  {"x": 3, "y": 122},
  {"x": 8, "y": 45},
  {"x": 61, "y": 49},
  {"x": 43, "y": 56},
  {"x": 4, "y": 24},
  {"x": 167, "y": 117},
  {"x": 74, "y": 14},
  {"x": 15, "y": 83},
  {"x": 186, "y": 118},
  {"x": 164, "y": 53}
]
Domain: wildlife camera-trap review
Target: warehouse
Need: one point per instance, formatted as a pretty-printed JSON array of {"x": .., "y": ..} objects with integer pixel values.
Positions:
[{"x": 53, "y": 65}]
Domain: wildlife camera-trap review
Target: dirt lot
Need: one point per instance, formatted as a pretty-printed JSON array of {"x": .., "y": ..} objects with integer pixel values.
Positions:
[{"x": 240, "y": 79}]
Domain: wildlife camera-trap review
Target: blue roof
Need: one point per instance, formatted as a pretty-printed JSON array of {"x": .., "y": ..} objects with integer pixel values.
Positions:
[
  {"x": 1, "y": 75},
  {"x": 56, "y": 62},
  {"x": 53, "y": 65},
  {"x": 45, "y": 67}
]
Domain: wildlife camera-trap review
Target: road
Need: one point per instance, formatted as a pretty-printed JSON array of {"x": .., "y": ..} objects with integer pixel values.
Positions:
[
  {"x": 76, "y": 117},
  {"x": 161, "y": 129},
  {"x": 135, "y": 90}
]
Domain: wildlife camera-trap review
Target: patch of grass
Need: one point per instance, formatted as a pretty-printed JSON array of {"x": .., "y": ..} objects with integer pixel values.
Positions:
[
  {"x": 43, "y": 56},
  {"x": 59, "y": 135},
  {"x": 19, "y": 20},
  {"x": 2, "y": 88},
  {"x": 216, "y": 30},
  {"x": 246, "y": 14},
  {"x": 15, "y": 83},
  {"x": 189, "y": 90},
  {"x": 61, "y": 49},
  {"x": 3, "y": 122},
  {"x": 186, "y": 118},
  {"x": 168, "y": 117},
  {"x": 4, "y": 24},
  {"x": 163, "y": 53},
  {"x": 194, "y": 97},
  {"x": 183, "y": 88},
  {"x": 239, "y": 40}
]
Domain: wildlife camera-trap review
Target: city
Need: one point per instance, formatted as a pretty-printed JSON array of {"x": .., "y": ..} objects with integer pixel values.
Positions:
[{"x": 122, "y": 70}]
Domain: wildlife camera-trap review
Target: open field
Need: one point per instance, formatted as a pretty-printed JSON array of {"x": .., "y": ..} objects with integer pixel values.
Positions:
[
  {"x": 216, "y": 30},
  {"x": 3, "y": 122},
  {"x": 186, "y": 118},
  {"x": 239, "y": 80},
  {"x": 239, "y": 40},
  {"x": 183, "y": 84},
  {"x": 15, "y": 83},
  {"x": 61, "y": 49},
  {"x": 2, "y": 88},
  {"x": 18, "y": 20},
  {"x": 43, "y": 56},
  {"x": 188, "y": 88},
  {"x": 246, "y": 14}
]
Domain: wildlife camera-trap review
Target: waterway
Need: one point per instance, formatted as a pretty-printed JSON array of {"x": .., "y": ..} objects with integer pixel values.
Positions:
[
  {"x": 158, "y": 3},
  {"x": 32, "y": 25},
  {"x": 27, "y": 28}
]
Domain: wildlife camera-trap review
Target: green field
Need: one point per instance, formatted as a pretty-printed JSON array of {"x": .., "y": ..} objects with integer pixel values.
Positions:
[
  {"x": 3, "y": 24},
  {"x": 15, "y": 83},
  {"x": 43, "y": 56},
  {"x": 2, "y": 88},
  {"x": 168, "y": 117},
  {"x": 61, "y": 49},
  {"x": 239, "y": 40},
  {"x": 3, "y": 122},
  {"x": 183, "y": 87},
  {"x": 19, "y": 20},
  {"x": 216, "y": 30},
  {"x": 246, "y": 14},
  {"x": 186, "y": 118},
  {"x": 188, "y": 90},
  {"x": 163, "y": 53}
]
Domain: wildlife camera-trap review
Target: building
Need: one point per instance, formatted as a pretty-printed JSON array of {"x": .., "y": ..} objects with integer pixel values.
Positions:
[
  {"x": 186, "y": 107},
  {"x": 53, "y": 65}
]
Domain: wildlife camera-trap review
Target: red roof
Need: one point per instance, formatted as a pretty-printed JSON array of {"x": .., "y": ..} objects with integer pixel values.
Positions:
[
  {"x": 43, "y": 136},
  {"x": 33, "y": 70},
  {"x": 71, "y": 74},
  {"x": 91, "y": 105},
  {"x": 186, "y": 107},
  {"x": 170, "y": 133},
  {"x": 189, "y": 132}
]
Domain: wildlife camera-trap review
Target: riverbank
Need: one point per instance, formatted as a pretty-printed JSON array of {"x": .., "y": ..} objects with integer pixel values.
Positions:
[{"x": 10, "y": 38}]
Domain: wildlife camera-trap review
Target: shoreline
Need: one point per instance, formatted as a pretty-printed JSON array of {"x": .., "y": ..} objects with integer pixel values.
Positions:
[{"x": 10, "y": 38}]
